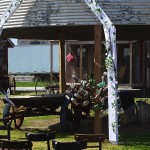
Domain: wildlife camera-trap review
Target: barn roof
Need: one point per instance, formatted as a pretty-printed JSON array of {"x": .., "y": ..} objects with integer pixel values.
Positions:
[
  {"x": 127, "y": 12},
  {"x": 76, "y": 12},
  {"x": 35, "y": 13},
  {"x": 74, "y": 16}
]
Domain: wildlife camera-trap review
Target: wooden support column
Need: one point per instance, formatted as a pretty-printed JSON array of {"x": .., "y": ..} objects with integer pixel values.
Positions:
[
  {"x": 51, "y": 61},
  {"x": 98, "y": 53},
  {"x": 62, "y": 81},
  {"x": 131, "y": 52},
  {"x": 81, "y": 62},
  {"x": 97, "y": 71}
]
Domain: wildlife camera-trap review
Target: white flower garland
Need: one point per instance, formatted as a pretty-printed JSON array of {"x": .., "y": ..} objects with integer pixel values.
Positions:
[
  {"x": 111, "y": 66},
  {"x": 14, "y": 5}
]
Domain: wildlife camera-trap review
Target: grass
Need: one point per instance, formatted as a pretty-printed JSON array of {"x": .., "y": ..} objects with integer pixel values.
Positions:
[
  {"x": 25, "y": 84},
  {"x": 33, "y": 84},
  {"x": 132, "y": 136},
  {"x": 29, "y": 84}
]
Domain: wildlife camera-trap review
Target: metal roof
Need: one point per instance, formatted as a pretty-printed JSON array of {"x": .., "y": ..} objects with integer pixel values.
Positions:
[
  {"x": 45, "y": 19},
  {"x": 76, "y": 12},
  {"x": 49, "y": 13},
  {"x": 127, "y": 12}
]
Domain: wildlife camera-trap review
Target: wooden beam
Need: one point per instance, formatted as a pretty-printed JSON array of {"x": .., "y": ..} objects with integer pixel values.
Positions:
[
  {"x": 131, "y": 52},
  {"x": 98, "y": 53},
  {"x": 81, "y": 62},
  {"x": 143, "y": 50},
  {"x": 97, "y": 71},
  {"x": 62, "y": 81},
  {"x": 51, "y": 61}
]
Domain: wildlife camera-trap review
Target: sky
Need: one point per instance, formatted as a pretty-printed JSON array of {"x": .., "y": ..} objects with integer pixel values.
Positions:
[{"x": 14, "y": 41}]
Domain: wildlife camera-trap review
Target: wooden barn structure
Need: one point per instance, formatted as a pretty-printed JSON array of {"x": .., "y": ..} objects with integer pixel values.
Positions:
[{"x": 73, "y": 23}]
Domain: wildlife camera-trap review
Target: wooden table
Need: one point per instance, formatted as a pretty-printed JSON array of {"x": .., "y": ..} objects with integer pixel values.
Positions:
[{"x": 38, "y": 105}]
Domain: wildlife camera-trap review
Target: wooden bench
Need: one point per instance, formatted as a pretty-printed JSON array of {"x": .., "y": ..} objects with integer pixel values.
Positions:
[
  {"x": 6, "y": 129},
  {"x": 91, "y": 138},
  {"x": 75, "y": 145},
  {"x": 38, "y": 137},
  {"x": 27, "y": 145}
]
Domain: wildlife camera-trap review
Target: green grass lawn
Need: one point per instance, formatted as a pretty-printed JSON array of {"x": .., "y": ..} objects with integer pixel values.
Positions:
[
  {"x": 129, "y": 140},
  {"x": 131, "y": 136},
  {"x": 32, "y": 84},
  {"x": 29, "y": 84}
]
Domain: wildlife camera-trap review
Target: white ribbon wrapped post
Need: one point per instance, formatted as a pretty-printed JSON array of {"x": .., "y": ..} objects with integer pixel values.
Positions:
[{"x": 110, "y": 37}]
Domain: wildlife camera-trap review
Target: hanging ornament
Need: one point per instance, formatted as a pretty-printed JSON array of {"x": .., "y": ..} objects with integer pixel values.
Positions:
[{"x": 69, "y": 58}]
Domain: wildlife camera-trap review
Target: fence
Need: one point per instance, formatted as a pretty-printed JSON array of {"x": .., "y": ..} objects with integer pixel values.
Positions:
[{"x": 139, "y": 112}]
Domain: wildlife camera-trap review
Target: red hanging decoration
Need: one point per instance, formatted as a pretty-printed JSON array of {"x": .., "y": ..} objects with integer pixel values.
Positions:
[{"x": 69, "y": 58}]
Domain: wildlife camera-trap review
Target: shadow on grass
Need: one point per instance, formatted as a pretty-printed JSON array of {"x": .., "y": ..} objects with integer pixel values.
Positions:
[
  {"x": 135, "y": 134},
  {"x": 131, "y": 135},
  {"x": 86, "y": 126},
  {"x": 34, "y": 130}
]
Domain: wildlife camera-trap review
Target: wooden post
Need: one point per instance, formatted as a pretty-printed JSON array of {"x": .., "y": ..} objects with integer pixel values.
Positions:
[
  {"x": 131, "y": 52},
  {"x": 97, "y": 71},
  {"x": 62, "y": 80},
  {"x": 51, "y": 61},
  {"x": 81, "y": 63}
]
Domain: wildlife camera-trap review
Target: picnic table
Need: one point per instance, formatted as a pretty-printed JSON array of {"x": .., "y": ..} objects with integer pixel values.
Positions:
[{"x": 38, "y": 105}]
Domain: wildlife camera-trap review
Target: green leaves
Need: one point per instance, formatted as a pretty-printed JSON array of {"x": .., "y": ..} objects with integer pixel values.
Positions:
[
  {"x": 98, "y": 10},
  {"x": 109, "y": 62}
]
